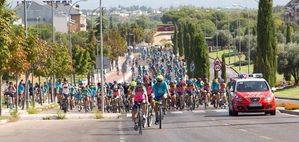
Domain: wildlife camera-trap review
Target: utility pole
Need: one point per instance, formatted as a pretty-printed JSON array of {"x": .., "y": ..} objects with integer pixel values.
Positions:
[
  {"x": 102, "y": 59},
  {"x": 53, "y": 40},
  {"x": 27, "y": 74}
]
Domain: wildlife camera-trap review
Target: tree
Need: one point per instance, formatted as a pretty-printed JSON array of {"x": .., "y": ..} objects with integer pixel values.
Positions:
[
  {"x": 288, "y": 34},
  {"x": 266, "y": 61},
  {"x": 149, "y": 37},
  {"x": 175, "y": 40},
  {"x": 224, "y": 38},
  {"x": 201, "y": 57},
  {"x": 288, "y": 63},
  {"x": 180, "y": 41},
  {"x": 137, "y": 32},
  {"x": 116, "y": 42},
  {"x": 223, "y": 68}
]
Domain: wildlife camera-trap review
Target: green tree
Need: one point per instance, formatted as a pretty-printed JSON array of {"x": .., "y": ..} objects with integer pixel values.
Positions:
[
  {"x": 288, "y": 63},
  {"x": 266, "y": 61},
  {"x": 201, "y": 57},
  {"x": 175, "y": 41},
  {"x": 288, "y": 34}
]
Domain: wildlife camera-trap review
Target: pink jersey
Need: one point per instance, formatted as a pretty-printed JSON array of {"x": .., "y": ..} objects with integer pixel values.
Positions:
[{"x": 139, "y": 95}]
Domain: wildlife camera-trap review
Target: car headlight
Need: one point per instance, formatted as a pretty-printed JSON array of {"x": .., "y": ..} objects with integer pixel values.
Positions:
[
  {"x": 239, "y": 99},
  {"x": 269, "y": 98}
]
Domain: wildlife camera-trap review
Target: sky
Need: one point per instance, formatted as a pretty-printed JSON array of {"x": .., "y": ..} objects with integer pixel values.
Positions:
[{"x": 92, "y": 4}]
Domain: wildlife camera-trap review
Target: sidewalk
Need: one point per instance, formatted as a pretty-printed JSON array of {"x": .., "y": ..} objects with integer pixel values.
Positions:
[
  {"x": 113, "y": 76},
  {"x": 70, "y": 116}
]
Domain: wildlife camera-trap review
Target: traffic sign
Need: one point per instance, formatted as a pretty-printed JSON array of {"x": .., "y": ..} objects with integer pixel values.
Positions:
[
  {"x": 217, "y": 67},
  {"x": 217, "y": 61}
]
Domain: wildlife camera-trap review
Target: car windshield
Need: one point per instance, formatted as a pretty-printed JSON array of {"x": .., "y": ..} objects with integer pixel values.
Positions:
[{"x": 252, "y": 86}]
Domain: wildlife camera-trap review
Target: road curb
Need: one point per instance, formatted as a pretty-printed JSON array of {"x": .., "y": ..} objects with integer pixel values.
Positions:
[
  {"x": 285, "y": 98},
  {"x": 289, "y": 112}
]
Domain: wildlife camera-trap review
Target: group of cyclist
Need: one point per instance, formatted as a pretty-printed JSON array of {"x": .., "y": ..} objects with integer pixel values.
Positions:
[{"x": 158, "y": 76}]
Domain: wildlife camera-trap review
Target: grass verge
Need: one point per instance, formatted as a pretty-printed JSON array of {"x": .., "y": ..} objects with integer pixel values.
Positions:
[
  {"x": 98, "y": 114},
  {"x": 288, "y": 93}
]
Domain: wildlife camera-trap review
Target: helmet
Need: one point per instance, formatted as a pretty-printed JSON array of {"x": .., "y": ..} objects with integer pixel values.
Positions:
[
  {"x": 133, "y": 83},
  {"x": 160, "y": 78}
]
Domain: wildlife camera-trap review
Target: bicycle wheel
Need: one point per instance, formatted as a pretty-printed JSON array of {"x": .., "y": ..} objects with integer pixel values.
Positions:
[
  {"x": 140, "y": 121},
  {"x": 149, "y": 117},
  {"x": 160, "y": 117}
]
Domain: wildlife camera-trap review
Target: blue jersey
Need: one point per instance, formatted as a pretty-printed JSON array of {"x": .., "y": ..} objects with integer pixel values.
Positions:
[
  {"x": 160, "y": 89},
  {"x": 215, "y": 86},
  {"x": 21, "y": 89}
]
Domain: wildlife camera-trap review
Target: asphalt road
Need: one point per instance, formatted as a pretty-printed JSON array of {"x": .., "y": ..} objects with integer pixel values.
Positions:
[{"x": 199, "y": 126}]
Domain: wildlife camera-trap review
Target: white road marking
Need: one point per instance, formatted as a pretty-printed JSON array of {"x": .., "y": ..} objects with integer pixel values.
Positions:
[
  {"x": 265, "y": 137},
  {"x": 220, "y": 110},
  {"x": 121, "y": 132},
  {"x": 129, "y": 115},
  {"x": 199, "y": 111},
  {"x": 176, "y": 112},
  {"x": 243, "y": 130}
]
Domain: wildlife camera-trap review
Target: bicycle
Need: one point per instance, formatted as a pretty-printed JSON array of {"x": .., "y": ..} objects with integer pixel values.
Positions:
[
  {"x": 159, "y": 114},
  {"x": 140, "y": 122}
]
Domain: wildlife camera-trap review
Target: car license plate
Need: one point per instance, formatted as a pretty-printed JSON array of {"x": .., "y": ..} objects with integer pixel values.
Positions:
[{"x": 255, "y": 105}]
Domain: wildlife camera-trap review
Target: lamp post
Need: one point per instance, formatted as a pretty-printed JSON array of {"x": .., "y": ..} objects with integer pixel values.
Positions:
[
  {"x": 102, "y": 59},
  {"x": 239, "y": 34},
  {"x": 249, "y": 39}
]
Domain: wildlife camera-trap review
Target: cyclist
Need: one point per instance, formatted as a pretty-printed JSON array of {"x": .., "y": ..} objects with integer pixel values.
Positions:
[
  {"x": 189, "y": 92},
  {"x": 139, "y": 100},
  {"x": 21, "y": 91},
  {"x": 181, "y": 92},
  {"x": 172, "y": 94},
  {"x": 160, "y": 93},
  {"x": 65, "y": 92},
  {"x": 10, "y": 94},
  {"x": 215, "y": 91}
]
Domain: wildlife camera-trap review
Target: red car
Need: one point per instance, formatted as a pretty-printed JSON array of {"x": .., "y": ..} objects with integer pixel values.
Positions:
[{"x": 251, "y": 95}]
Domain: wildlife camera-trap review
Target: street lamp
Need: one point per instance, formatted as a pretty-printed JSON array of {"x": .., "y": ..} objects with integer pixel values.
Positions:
[
  {"x": 249, "y": 38},
  {"x": 102, "y": 54},
  {"x": 228, "y": 28},
  {"x": 239, "y": 35}
]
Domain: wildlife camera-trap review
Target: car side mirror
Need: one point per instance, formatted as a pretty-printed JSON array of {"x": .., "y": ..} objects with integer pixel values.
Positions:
[{"x": 273, "y": 89}]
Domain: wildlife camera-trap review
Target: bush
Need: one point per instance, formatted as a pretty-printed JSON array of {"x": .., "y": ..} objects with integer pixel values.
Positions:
[
  {"x": 60, "y": 115},
  {"x": 243, "y": 63},
  {"x": 32, "y": 110},
  {"x": 231, "y": 54},
  {"x": 14, "y": 115},
  {"x": 98, "y": 114},
  {"x": 290, "y": 106},
  {"x": 47, "y": 118}
]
